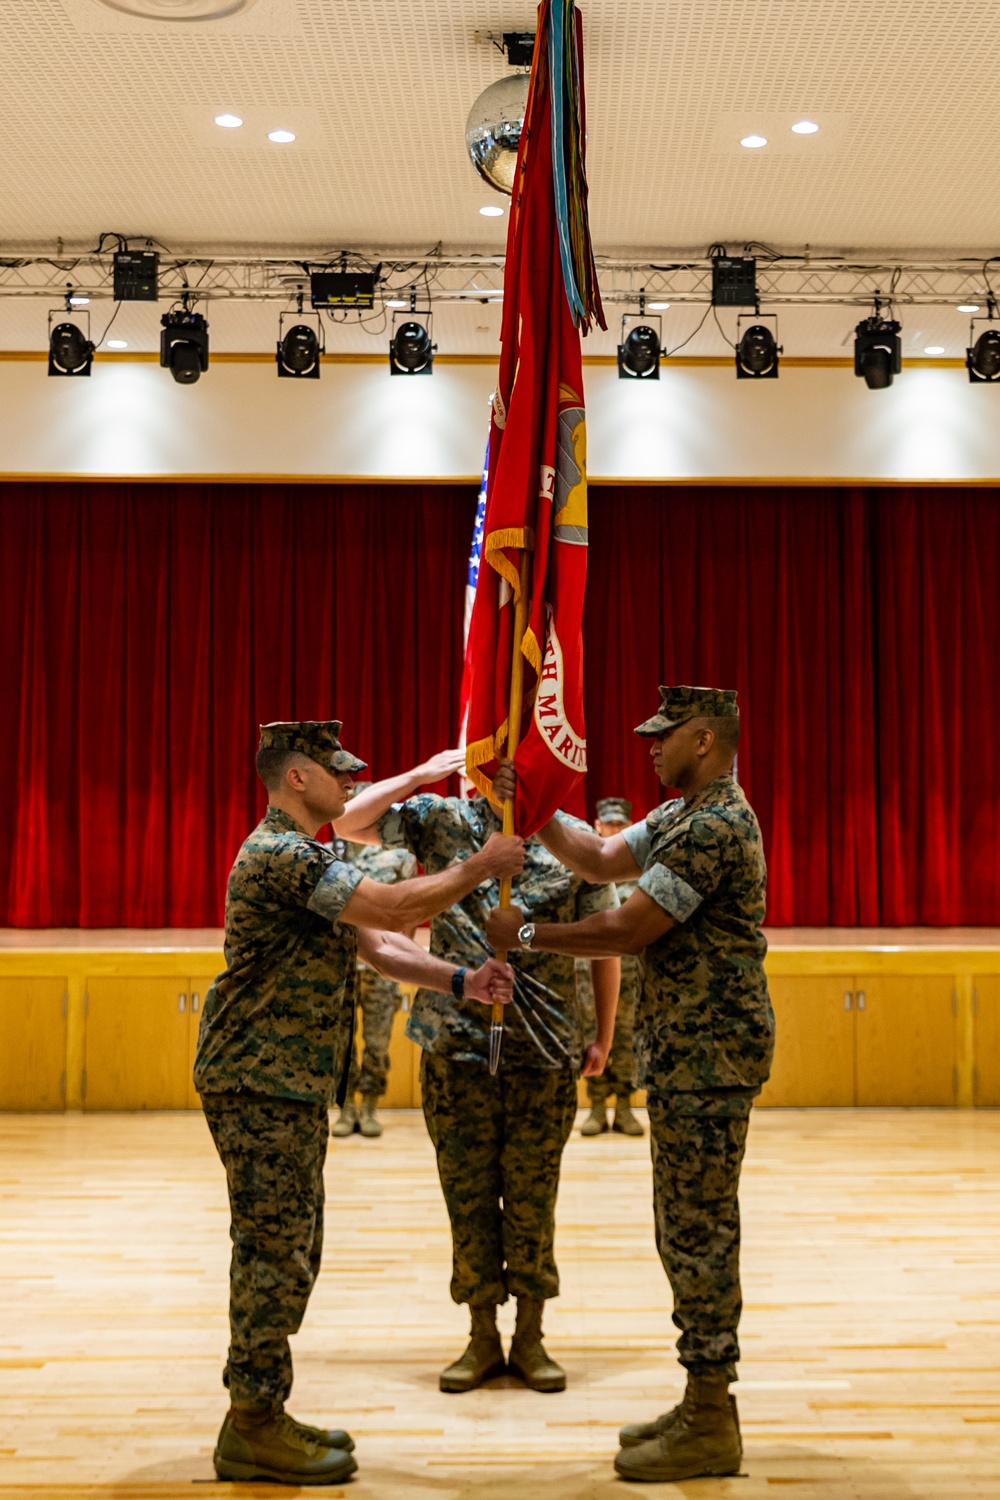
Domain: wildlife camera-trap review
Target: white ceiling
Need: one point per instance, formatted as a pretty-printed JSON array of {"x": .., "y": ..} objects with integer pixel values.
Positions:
[{"x": 107, "y": 124}]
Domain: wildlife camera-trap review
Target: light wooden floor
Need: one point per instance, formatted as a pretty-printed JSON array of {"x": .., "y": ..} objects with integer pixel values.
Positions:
[{"x": 871, "y": 1364}]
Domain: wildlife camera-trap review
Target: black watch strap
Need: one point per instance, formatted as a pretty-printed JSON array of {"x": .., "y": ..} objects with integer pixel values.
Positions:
[{"x": 458, "y": 983}]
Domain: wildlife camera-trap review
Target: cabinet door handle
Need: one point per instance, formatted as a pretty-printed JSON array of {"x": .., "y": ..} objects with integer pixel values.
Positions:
[
  {"x": 195, "y": 1001},
  {"x": 848, "y": 999},
  {"x": 861, "y": 999},
  {"x": 181, "y": 1002}
]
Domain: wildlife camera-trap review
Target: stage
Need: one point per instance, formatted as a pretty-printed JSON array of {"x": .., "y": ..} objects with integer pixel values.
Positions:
[
  {"x": 870, "y": 1369},
  {"x": 892, "y": 1017}
]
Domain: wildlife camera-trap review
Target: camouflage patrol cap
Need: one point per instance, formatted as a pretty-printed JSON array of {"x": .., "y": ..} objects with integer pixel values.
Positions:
[
  {"x": 677, "y": 704},
  {"x": 614, "y": 810},
  {"x": 317, "y": 738}
]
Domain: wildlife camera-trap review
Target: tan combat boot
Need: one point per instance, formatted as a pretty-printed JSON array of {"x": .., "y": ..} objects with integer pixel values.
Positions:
[
  {"x": 596, "y": 1122},
  {"x": 527, "y": 1358},
  {"x": 347, "y": 1121},
  {"x": 327, "y": 1437},
  {"x": 368, "y": 1121},
  {"x": 625, "y": 1121},
  {"x": 702, "y": 1439},
  {"x": 482, "y": 1360},
  {"x": 268, "y": 1445}
]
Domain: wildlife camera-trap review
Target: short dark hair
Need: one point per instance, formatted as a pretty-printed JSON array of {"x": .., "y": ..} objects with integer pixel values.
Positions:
[
  {"x": 272, "y": 763},
  {"x": 725, "y": 729}
]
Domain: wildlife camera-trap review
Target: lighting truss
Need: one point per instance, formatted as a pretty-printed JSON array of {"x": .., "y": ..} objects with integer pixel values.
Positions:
[{"x": 468, "y": 278}]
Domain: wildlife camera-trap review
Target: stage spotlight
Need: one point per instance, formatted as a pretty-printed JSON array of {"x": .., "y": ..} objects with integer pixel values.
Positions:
[
  {"x": 411, "y": 351},
  {"x": 71, "y": 352},
  {"x": 184, "y": 345},
  {"x": 757, "y": 352},
  {"x": 878, "y": 354},
  {"x": 298, "y": 353},
  {"x": 982, "y": 358},
  {"x": 639, "y": 354}
]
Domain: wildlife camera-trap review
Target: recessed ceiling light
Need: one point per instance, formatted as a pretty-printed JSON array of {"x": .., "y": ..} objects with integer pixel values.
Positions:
[
  {"x": 934, "y": 349},
  {"x": 230, "y": 122},
  {"x": 968, "y": 307},
  {"x": 117, "y": 344},
  {"x": 79, "y": 301},
  {"x": 396, "y": 302},
  {"x": 281, "y": 136},
  {"x": 491, "y": 211},
  {"x": 805, "y": 127},
  {"x": 754, "y": 140},
  {"x": 657, "y": 306}
]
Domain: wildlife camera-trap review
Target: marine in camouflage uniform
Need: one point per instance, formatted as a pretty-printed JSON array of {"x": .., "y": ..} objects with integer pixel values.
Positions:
[
  {"x": 378, "y": 998},
  {"x": 273, "y": 1045},
  {"x": 499, "y": 1140},
  {"x": 273, "y": 1050},
  {"x": 704, "y": 1043},
  {"x": 618, "y": 1078}
]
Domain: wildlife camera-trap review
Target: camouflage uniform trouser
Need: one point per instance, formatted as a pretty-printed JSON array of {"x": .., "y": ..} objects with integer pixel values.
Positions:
[
  {"x": 697, "y": 1154},
  {"x": 273, "y": 1151},
  {"x": 379, "y": 1000},
  {"x": 499, "y": 1144}
]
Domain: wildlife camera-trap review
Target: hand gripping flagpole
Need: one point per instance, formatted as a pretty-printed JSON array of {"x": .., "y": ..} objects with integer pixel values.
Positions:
[{"x": 513, "y": 739}]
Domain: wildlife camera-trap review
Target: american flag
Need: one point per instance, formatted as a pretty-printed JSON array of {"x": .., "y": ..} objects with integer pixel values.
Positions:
[{"x": 471, "y": 579}]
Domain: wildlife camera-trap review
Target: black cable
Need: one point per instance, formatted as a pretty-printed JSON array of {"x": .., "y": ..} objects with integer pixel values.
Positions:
[
  {"x": 668, "y": 353},
  {"x": 100, "y": 341},
  {"x": 719, "y": 326}
]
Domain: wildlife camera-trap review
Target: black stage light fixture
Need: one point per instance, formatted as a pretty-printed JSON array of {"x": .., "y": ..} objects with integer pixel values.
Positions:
[
  {"x": 342, "y": 289},
  {"x": 411, "y": 351},
  {"x": 519, "y": 47},
  {"x": 757, "y": 351},
  {"x": 982, "y": 358},
  {"x": 639, "y": 353},
  {"x": 734, "y": 281},
  {"x": 71, "y": 352},
  {"x": 299, "y": 350},
  {"x": 136, "y": 275},
  {"x": 878, "y": 352},
  {"x": 184, "y": 345}
]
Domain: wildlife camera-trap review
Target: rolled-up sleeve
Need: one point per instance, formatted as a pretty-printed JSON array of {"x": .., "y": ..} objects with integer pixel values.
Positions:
[
  {"x": 662, "y": 885},
  {"x": 637, "y": 837},
  {"x": 333, "y": 890}
]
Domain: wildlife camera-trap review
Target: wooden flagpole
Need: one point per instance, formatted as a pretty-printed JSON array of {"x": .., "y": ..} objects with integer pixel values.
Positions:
[{"x": 513, "y": 740}]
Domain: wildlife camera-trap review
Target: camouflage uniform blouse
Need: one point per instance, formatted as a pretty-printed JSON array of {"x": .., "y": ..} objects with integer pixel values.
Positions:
[
  {"x": 280, "y": 1019},
  {"x": 541, "y": 1023},
  {"x": 704, "y": 1019}
]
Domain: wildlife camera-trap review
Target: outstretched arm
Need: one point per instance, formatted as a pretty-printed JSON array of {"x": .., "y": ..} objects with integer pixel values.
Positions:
[
  {"x": 626, "y": 929},
  {"x": 581, "y": 850},
  {"x": 398, "y": 957},
  {"x": 363, "y": 811},
  {"x": 410, "y": 902}
]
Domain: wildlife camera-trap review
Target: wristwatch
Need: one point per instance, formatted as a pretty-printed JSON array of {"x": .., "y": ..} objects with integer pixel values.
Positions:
[
  {"x": 526, "y": 934},
  {"x": 458, "y": 983}
]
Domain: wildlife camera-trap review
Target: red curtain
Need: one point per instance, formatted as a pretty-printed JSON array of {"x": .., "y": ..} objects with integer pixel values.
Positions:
[
  {"x": 862, "y": 630},
  {"x": 147, "y": 629}
]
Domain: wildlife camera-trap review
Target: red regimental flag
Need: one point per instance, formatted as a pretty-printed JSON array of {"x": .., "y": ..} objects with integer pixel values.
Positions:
[{"x": 537, "y": 493}]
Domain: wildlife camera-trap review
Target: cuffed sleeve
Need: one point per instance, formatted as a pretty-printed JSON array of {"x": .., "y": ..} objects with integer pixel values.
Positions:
[
  {"x": 662, "y": 885},
  {"x": 392, "y": 834},
  {"x": 637, "y": 837},
  {"x": 333, "y": 890}
]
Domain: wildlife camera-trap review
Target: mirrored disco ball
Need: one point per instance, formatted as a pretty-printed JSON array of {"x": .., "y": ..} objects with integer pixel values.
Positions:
[
  {"x": 180, "y": 10},
  {"x": 493, "y": 130}
]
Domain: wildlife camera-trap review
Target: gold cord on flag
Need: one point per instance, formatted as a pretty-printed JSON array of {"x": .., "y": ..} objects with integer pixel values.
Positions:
[{"x": 514, "y": 736}]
